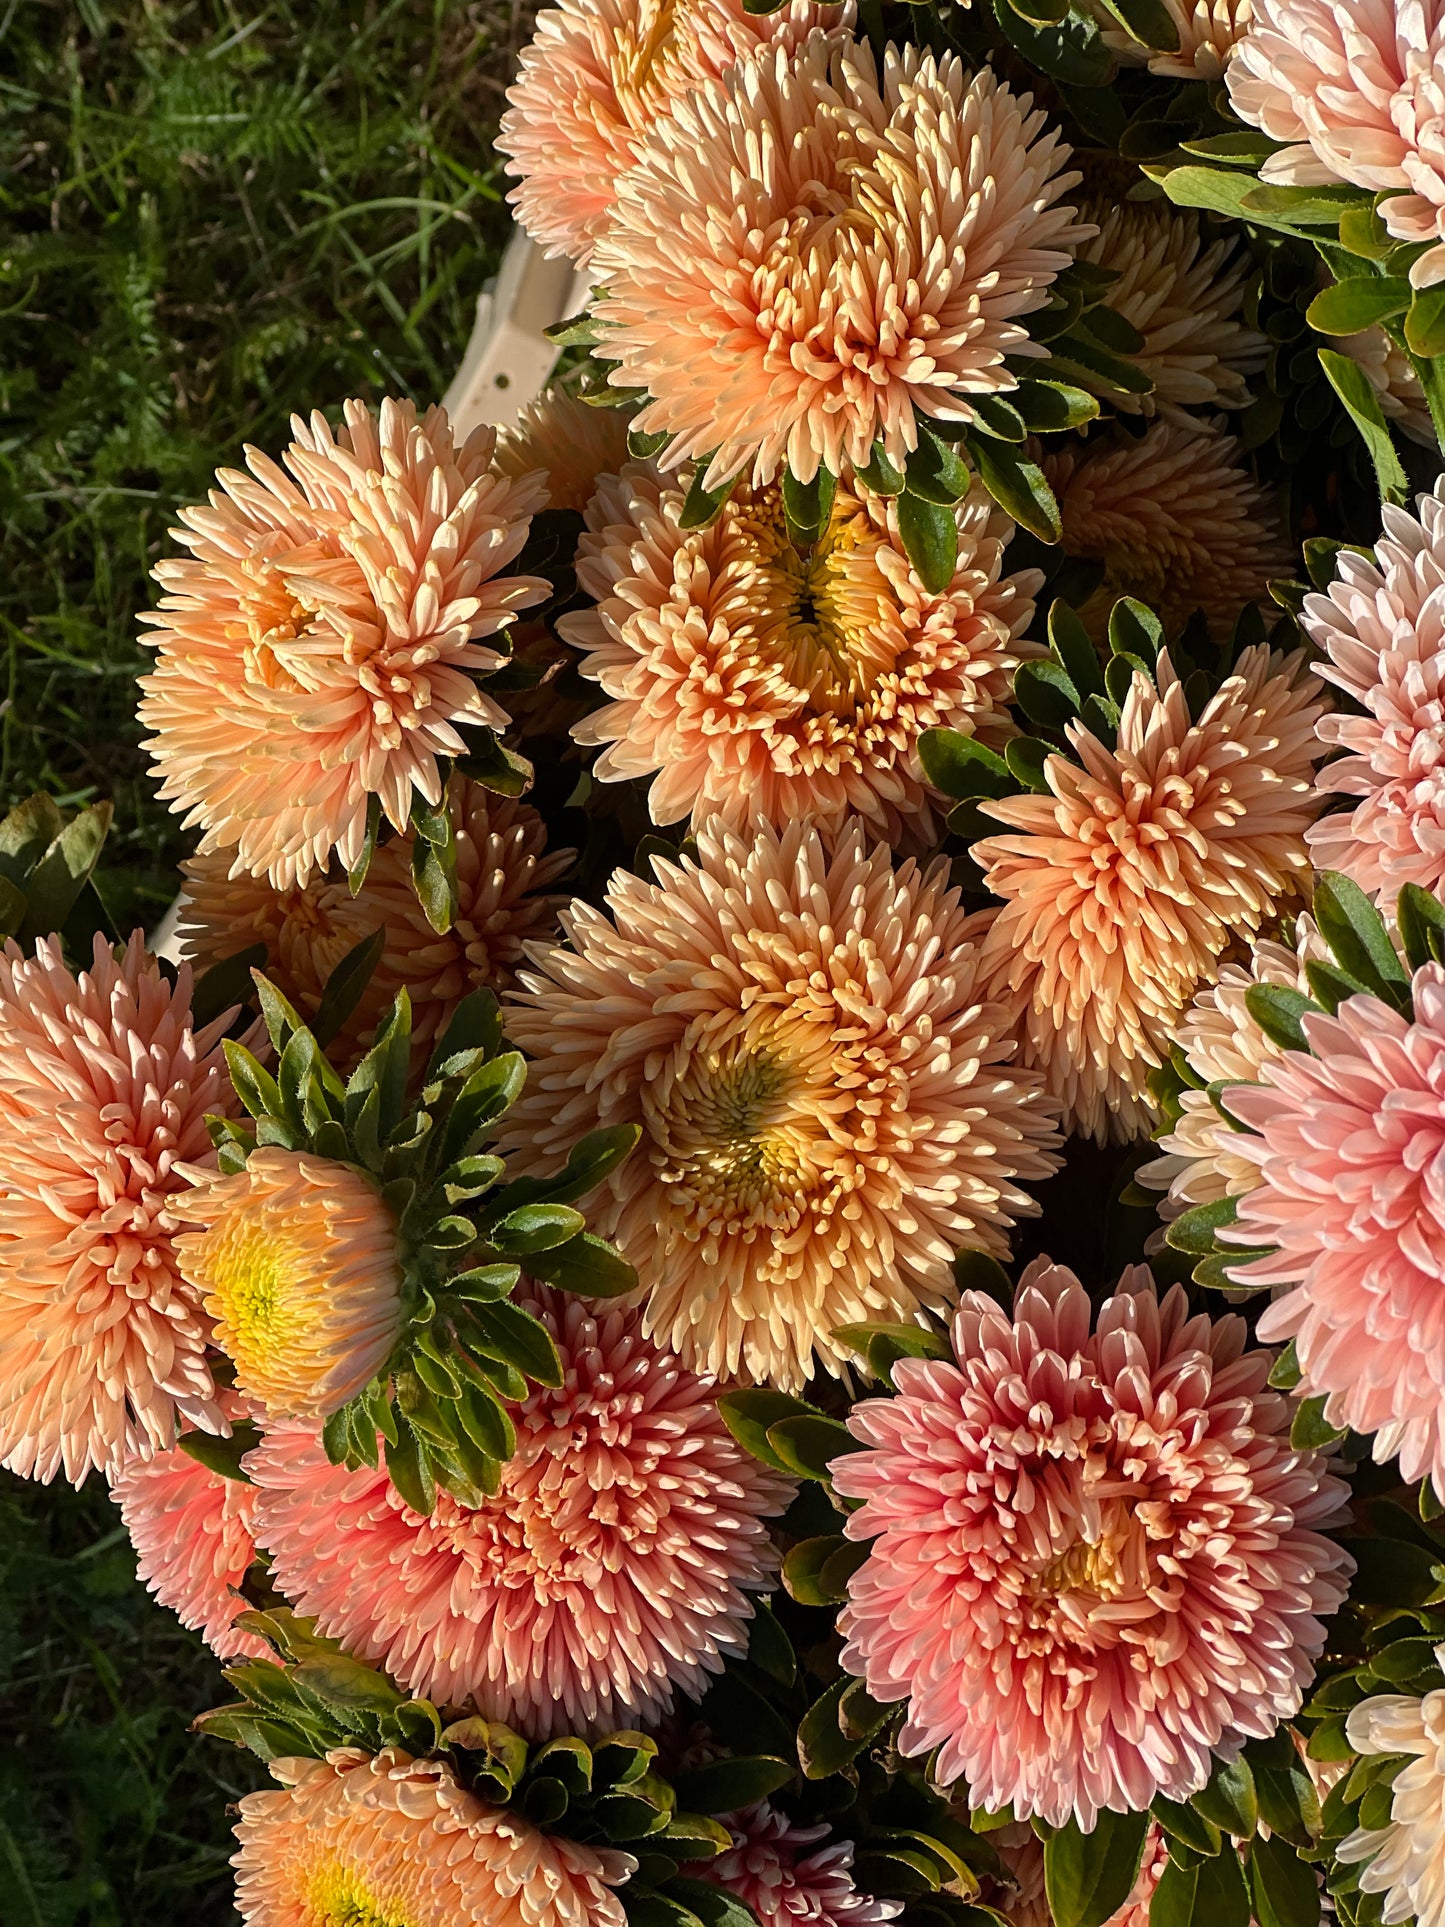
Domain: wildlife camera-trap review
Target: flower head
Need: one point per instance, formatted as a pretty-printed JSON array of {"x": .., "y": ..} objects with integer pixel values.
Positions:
[
  {"x": 320, "y": 645},
  {"x": 390, "y": 1840},
  {"x": 1176, "y": 519},
  {"x": 191, "y": 1529},
  {"x": 1382, "y": 626},
  {"x": 1184, "y": 297},
  {"x": 1392, "y": 376},
  {"x": 611, "y": 1568},
  {"x": 1209, "y": 33},
  {"x": 106, "y": 1090},
  {"x": 827, "y": 1105},
  {"x": 749, "y": 675},
  {"x": 1095, "y": 1561},
  {"x": 1358, "y": 92},
  {"x": 1123, "y": 885},
  {"x": 502, "y": 872},
  {"x": 597, "y": 77},
  {"x": 1347, "y": 1142},
  {"x": 572, "y": 443},
  {"x": 770, "y": 1869},
  {"x": 807, "y": 257},
  {"x": 298, "y": 1266},
  {"x": 1222, "y": 1044},
  {"x": 1404, "y": 1855}
]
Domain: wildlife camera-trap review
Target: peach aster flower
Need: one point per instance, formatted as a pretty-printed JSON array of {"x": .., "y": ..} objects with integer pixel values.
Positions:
[
  {"x": 106, "y": 1090},
  {"x": 597, "y": 77},
  {"x": 770, "y": 1869},
  {"x": 1223, "y": 1045},
  {"x": 1382, "y": 629},
  {"x": 1185, "y": 299},
  {"x": 320, "y": 645},
  {"x": 1176, "y": 519},
  {"x": 1124, "y": 884},
  {"x": 1406, "y": 1856},
  {"x": 299, "y": 1267},
  {"x": 827, "y": 1105},
  {"x": 572, "y": 443},
  {"x": 1357, "y": 89},
  {"x": 1209, "y": 33},
  {"x": 191, "y": 1529},
  {"x": 502, "y": 872},
  {"x": 390, "y": 1840},
  {"x": 748, "y": 675},
  {"x": 1120, "y": 1514},
  {"x": 612, "y": 1567},
  {"x": 1351, "y": 1195},
  {"x": 807, "y": 256}
]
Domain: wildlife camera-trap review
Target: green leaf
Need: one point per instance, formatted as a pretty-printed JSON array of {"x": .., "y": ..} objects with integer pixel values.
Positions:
[
  {"x": 384, "y": 1070},
  {"x": 222, "y": 1456},
  {"x": 63, "y": 872},
  {"x": 702, "y": 506},
  {"x": 434, "y": 863},
  {"x": 1087, "y": 1876},
  {"x": 1182, "y": 1822},
  {"x": 749, "y": 1413},
  {"x": 1420, "y": 918},
  {"x": 1229, "y": 1800},
  {"x": 254, "y": 1085},
  {"x": 1285, "y": 1889},
  {"x": 803, "y": 1569},
  {"x": 497, "y": 768},
  {"x": 476, "y": 1024},
  {"x": 1049, "y": 407},
  {"x": 1355, "y": 931},
  {"x": 1019, "y": 487},
  {"x": 910, "y": 1341},
  {"x": 591, "y": 1159},
  {"x": 1072, "y": 52},
  {"x": 407, "y": 1468},
  {"x": 346, "y": 986},
  {"x": 1425, "y": 323},
  {"x": 1027, "y": 759},
  {"x": 961, "y": 767},
  {"x": 1147, "y": 21},
  {"x": 1209, "y": 1894},
  {"x": 586, "y": 1265},
  {"x": 878, "y": 475},
  {"x": 1288, "y": 1803},
  {"x": 503, "y": 1330},
  {"x": 714, "y": 1906},
  {"x": 929, "y": 533},
  {"x": 937, "y": 472},
  {"x": 808, "y": 1444},
  {"x": 807, "y": 505},
  {"x": 1309, "y": 1429},
  {"x": 1364, "y": 301},
  {"x": 1135, "y": 630},
  {"x": 1046, "y": 693},
  {"x": 823, "y": 1747},
  {"x": 999, "y": 418},
  {"x": 1352, "y": 385},
  {"x": 1278, "y": 1011},
  {"x": 1074, "y": 648},
  {"x": 485, "y": 1096},
  {"x": 535, "y": 1227},
  {"x": 26, "y": 833},
  {"x": 1245, "y": 148},
  {"x": 1193, "y": 1231},
  {"x": 723, "y": 1786},
  {"x": 1363, "y": 233}
]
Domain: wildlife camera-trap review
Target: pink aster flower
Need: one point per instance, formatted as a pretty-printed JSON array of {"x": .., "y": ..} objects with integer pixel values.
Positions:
[
  {"x": 597, "y": 77},
  {"x": 808, "y": 255},
  {"x": 1357, "y": 89},
  {"x": 321, "y": 643},
  {"x": 611, "y": 1568},
  {"x": 389, "y": 1841},
  {"x": 744, "y": 674},
  {"x": 1096, "y": 1561},
  {"x": 191, "y": 1529},
  {"x": 1382, "y": 626},
  {"x": 106, "y": 1089},
  {"x": 1351, "y": 1193},
  {"x": 771, "y": 1869}
]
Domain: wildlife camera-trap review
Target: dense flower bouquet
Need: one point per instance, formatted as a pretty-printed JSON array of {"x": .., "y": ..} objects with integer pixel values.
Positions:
[{"x": 780, "y": 1254}]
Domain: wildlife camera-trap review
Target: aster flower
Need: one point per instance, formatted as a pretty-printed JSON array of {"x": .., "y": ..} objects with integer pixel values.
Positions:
[
  {"x": 872, "y": 269},
  {"x": 106, "y": 1090},
  {"x": 611, "y": 1568},
  {"x": 355, "y": 1838},
  {"x": 321, "y": 644},
  {"x": 1357, "y": 92},
  {"x": 1346, "y": 1145},
  {"x": 827, "y": 1105},
  {"x": 1122, "y": 1514},
  {"x": 502, "y": 871},
  {"x": 596, "y": 78},
  {"x": 1404, "y": 1855},
  {"x": 1184, "y": 298},
  {"x": 191, "y": 1529},
  {"x": 1222, "y": 1044},
  {"x": 570, "y": 442},
  {"x": 1124, "y": 884},
  {"x": 1176, "y": 519},
  {"x": 1209, "y": 33},
  {"x": 1392, "y": 376},
  {"x": 747, "y": 674},
  {"x": 1380, "y": 626},
  {"x": 298, "y": 1266},
  {"x": 770, "y": 1869}
]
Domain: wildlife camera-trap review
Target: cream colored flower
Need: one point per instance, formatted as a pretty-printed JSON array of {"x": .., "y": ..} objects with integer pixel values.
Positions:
[
  {"x": 1209, "y": 33},
  {"x": 1405, "y": 1857}
]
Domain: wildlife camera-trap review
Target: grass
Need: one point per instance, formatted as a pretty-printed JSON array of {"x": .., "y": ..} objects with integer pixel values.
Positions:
[{"x": 210, "y": 215}]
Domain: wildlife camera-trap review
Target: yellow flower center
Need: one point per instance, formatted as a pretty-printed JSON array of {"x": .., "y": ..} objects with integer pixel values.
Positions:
[
  {"x": 816, "y": 611},
  {"x": 337, "y": 1897},
  {"x": 258, "y": 1293}
]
